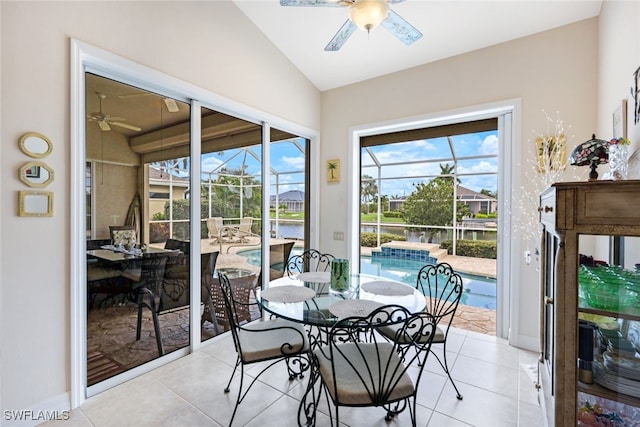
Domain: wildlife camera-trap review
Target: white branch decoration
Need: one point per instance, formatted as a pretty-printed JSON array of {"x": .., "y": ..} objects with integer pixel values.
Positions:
[{"x": 540, "y": 172}]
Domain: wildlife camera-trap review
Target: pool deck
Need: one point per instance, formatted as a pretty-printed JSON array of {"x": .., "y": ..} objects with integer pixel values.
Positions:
[{"x": 469, "y": 318}]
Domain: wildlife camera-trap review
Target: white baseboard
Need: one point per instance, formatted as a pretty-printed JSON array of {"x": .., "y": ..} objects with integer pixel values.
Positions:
[
  {"x": 526, "y": 343},
  {"x": 55, "y": 408}
]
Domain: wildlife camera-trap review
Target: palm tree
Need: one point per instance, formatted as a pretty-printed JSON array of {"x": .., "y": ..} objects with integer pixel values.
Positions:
[
  {"x": 332, "y": 166},
  {"x": 368, "y": 190},
  {"x": 448, "y": 172}
]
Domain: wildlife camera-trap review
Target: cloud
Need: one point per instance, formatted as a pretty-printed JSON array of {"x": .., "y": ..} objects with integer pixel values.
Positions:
[{"x": 489, "y": 145}]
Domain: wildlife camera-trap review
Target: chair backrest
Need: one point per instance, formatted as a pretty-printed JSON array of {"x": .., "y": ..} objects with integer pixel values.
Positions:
[
  {"x": 309, "y": 260},
  {"x": 182, "y": 245},
  {"x": 152, "y": 271},
  {"x": 443, "y": 288},
  {"x": 359, "y": 355},
  {"x": 208, "y": 263},
  {"x": 231, "y": 314},
  {"x": 214, "y": 225},
  {"x": 239, "y": 293},
  {"x": 245, "y": 224},
  {"x": 97, "y": 243}
]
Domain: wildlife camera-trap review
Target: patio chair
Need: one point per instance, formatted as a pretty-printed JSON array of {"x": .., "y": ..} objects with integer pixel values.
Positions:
[
  {"x": 215, "y": 229},
  {"x": 244, "y": 229},
  {"x": 442, "y": 287},
  {"x": 270, "y": 341},
  {"x": 357, "y": 368},
  {"x": 309, "y": 260},
  {"x": 103, "y": 279},
  {"x": 148, "y": 290}
]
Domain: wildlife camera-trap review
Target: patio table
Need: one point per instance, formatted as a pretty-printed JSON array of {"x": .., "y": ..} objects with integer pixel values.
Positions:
[{"x": 308, "y": 298}]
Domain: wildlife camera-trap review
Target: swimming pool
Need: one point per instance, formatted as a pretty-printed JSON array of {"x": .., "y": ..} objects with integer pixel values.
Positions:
[{"x": 478, "y": 291}]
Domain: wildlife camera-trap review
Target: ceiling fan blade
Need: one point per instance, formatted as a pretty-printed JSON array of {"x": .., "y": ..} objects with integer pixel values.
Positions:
[
  {"x": 400, "y": 28},
  {"x": 314, "y": 3},
  {"x": 104, "y": 125},
  {"x": 172, "y": 105},
  {"x": 126, "y": 126},
  {"x": 341, "y": 36}
]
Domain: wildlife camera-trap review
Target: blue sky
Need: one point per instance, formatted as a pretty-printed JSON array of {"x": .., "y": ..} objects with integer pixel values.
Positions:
[{"x": 288, "y": 161}]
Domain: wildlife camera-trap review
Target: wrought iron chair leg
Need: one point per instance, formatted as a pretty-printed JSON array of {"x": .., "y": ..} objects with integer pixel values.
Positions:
[
  {"x": 235, "y": 368},
  {"x": 445, "y": 367},
  {"x": 240, "y": 396}
]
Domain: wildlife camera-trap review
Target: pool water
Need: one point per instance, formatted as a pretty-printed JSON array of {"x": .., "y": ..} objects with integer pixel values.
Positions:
[{"x": 478, "y": 291}]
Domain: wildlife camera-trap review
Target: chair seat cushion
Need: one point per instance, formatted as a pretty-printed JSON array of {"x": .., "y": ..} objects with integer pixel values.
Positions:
[
  {"x": 132, "y": 274},
  {"x": 269, "y": 339},
  {"x": 391, "y": 332},
  {"x": 364, "y": 373}
]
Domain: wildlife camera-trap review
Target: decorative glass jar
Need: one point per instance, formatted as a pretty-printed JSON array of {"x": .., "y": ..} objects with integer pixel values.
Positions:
[{"x": 618, "y": 160}]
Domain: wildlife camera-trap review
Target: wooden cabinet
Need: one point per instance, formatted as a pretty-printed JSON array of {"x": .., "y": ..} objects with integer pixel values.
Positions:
[{"x": 572, "y": 214}]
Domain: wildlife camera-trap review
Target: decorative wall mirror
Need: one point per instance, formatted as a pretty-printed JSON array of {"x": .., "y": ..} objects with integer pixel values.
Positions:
[
  {"x": 35, "y": 145},
  {"x": 35, "y": 203},
  {"x": 36, "y": 174}
]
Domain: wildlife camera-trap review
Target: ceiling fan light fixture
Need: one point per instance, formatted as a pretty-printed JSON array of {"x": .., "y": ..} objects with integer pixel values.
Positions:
[{"x": 368, "y": 14}]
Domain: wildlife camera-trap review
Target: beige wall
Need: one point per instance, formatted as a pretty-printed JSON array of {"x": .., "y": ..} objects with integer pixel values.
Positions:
[
  {"x": 619, "y": 58},
  {"x": 208, "y": 44},
  {"x": 553, "y": 71}
]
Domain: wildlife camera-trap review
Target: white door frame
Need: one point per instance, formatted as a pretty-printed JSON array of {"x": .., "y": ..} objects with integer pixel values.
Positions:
[
  {"x": 508, "y": 113},
  {"x": 84, "y": 58}
]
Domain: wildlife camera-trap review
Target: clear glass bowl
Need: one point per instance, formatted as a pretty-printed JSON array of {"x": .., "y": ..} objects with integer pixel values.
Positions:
[{"x": 608, "y": 297}]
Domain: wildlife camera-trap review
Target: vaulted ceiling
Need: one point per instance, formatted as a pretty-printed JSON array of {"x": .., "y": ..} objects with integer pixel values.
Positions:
[{"x": 449, "y": 28}]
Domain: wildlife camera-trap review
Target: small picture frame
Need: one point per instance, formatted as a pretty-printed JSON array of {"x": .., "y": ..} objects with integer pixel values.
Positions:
[
  {"x": 635, "y": 94},
  {"x": 333, "y": 170},
  {"x": 35, "y": 203},
  {"x": 620, "y": 120}
]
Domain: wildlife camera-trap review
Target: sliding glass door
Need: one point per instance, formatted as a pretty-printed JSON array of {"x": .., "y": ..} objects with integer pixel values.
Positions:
[{"x": 137, "y": 222}]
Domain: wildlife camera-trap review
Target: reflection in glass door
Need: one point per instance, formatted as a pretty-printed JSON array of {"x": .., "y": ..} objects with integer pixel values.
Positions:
[
  {"x": 137, "y": 262},
  {"x": 231, "y": 213}
]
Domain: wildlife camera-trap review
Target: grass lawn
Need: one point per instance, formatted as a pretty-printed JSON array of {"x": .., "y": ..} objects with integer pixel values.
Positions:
[{"x": 372, "y": 217}]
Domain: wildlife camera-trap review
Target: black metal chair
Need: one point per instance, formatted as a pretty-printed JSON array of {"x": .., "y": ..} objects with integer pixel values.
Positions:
[
  {"x": 359, "y": 368},
  {"x": 309, "y": 260},
  {"x": 442, "y": 287},
  {"x": 273, "y": 340},
  {"x": 103, "y": 279},
  {"x": 148, "y": 290}
]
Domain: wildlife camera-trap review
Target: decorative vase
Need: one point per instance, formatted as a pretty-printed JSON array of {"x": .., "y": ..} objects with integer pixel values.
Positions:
[
  {"x": 618, "y": 161},
  {"x": 340, "y": 274}
]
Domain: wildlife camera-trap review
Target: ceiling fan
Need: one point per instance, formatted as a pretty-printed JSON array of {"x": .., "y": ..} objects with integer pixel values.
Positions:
[
  {"x": 105, "y": 121},
  {"x": 366, "y": 15}
]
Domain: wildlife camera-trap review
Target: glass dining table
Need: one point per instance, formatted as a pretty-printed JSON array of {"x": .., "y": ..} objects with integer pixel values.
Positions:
[{"x": 309, "y": 299}]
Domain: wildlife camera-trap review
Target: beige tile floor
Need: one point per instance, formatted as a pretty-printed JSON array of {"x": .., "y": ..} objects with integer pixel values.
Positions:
[{"x": 497, "y": 382}]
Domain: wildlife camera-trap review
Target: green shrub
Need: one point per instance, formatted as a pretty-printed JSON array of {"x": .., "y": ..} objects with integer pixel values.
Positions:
[
  {"x": 391, "y": 214},
  {"x": 370, "y": 240},
  {"x": 472, "y": 248},
  {"x": 481, "y": 215}
]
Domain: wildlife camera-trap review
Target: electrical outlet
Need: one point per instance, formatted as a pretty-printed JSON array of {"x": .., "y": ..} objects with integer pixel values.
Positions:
[{"x": 338, "y": 235}]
